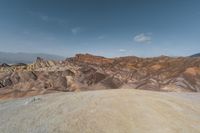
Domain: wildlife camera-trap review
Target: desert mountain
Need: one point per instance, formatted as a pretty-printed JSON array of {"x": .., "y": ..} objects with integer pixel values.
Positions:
[
  {"x": 89, "y": 72},
  {"x": 12, "y": 58},
  {"x": 195, "y": 55}
]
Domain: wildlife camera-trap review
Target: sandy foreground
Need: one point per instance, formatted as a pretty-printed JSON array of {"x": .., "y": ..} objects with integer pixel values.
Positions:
[{"x": 103, "y": 111}]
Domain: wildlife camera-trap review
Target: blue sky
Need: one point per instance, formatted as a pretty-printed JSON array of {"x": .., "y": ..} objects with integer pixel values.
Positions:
[{"x": 102, "y": 27}]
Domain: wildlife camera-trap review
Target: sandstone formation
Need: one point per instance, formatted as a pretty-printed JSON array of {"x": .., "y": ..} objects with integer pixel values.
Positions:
[{"x": 89, "y": 72}]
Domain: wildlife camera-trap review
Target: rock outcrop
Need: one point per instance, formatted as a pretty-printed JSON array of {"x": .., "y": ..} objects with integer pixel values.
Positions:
[{"x": 88, "y": 72}]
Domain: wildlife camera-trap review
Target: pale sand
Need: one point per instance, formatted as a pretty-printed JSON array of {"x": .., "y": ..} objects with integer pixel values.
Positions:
[{"x": 104, "y": 111}]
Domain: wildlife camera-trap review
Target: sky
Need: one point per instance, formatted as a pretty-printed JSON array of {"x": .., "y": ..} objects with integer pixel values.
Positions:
[{"x": 108, "y": 28}]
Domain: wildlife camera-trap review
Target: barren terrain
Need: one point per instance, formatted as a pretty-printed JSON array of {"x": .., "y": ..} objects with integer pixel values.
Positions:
[
  {"x": 88, "y": 72},
  {"x": 103, "y": 111}
]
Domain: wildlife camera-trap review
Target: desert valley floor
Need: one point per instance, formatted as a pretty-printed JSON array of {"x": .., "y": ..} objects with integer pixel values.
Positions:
[{"x": 103, "y": 111}]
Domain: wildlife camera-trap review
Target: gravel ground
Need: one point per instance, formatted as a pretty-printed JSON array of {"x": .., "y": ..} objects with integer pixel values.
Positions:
[{"x": 103, "y": 111}]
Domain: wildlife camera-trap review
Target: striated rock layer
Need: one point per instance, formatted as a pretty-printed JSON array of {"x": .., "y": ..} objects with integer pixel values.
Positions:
[{"x": 89, "y": 72}]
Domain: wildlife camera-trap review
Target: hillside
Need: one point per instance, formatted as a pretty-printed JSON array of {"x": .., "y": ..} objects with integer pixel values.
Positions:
[
  {"x": 88, "y": 72},
  {"x": 105, "y": 111},
  {"x": 195, "y": 55}
]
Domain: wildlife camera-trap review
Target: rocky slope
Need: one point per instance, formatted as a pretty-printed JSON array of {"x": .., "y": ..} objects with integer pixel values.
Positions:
[
  {"x": 195, "y": 55},
  {"x": 103, "y": 111},
  {"x": 88, "y": 72}
]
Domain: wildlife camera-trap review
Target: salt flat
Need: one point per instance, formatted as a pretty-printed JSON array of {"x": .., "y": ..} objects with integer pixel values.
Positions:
[{"x": 103, "y": 111}]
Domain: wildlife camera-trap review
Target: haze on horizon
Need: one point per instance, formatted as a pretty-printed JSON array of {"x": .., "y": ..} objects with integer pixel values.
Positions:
[{"x": 104, "y": 27}]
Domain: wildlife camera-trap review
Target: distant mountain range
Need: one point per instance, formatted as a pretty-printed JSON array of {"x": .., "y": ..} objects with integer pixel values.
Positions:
[
  {"x": 195, "y": 55},
  {"x": 12, "y": 58}
]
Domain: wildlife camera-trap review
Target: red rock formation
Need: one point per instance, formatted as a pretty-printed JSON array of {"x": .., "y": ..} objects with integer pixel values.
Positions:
[{"x": 88, "y": 72}]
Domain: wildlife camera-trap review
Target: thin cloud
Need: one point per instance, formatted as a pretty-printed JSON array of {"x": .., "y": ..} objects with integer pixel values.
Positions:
[
  {"x": 75, "y": 30},
  {"x": 44, "y": 17},
  {"x": 41, "y": 16},
  {"x": 143, "y": 38},
  {"x": 101, "y": 37},
  {"x": 26, "y": 32},
  {"x": 122, "y": 50},
  {"x": 47, "y": 18}
]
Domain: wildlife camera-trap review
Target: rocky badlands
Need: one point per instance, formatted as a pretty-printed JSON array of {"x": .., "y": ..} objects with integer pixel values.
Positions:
[{"x": 96, "y": 94}]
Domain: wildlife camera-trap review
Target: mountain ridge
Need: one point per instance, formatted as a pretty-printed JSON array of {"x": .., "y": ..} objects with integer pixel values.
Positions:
[
  {"x": 195, "y": 55},
  {"x": 22, "y": 57},
  {"x": 89, "y": 72}
]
